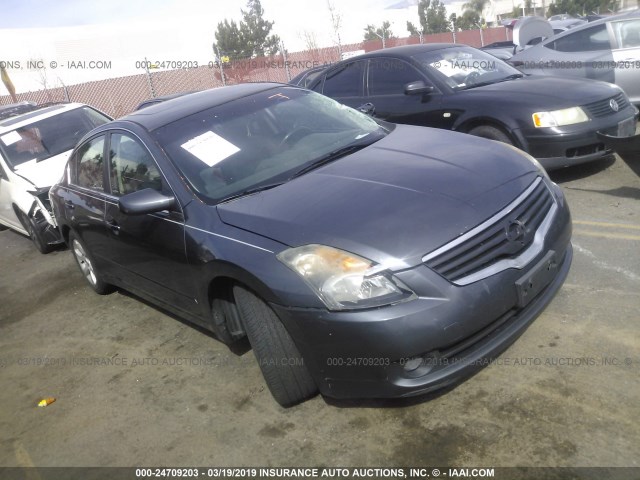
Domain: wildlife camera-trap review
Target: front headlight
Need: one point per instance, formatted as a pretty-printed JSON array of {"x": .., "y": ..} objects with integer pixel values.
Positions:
[
  {"x": 343, "y": 280},
  {"x": 559, "y": 118}
]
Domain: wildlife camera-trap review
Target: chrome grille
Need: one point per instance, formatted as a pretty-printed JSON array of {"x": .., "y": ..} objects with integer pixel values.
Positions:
[
  {"x": 602, "y": 108},
  {"x": 506, "y": 235}
]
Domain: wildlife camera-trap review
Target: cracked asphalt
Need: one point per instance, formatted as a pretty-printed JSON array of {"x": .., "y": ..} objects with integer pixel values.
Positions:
[{"x": 135, "y": 386}]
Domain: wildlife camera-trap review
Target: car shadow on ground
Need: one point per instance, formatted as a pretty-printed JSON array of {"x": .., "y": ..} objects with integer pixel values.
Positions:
[
  {"x": 239, "y": 347},
  {"x": 582, "y": 171}
]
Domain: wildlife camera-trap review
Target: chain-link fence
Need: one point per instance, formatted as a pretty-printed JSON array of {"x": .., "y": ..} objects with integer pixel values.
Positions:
[{"x": 120, "y": 96}]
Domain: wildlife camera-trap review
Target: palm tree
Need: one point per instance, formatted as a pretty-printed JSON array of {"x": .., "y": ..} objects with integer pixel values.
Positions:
[
  {"x": 476, "y": 6},
  {"x": 7, "y": 83}
]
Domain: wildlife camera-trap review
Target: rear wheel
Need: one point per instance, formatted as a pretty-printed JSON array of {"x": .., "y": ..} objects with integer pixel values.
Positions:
[
  {"x": 280, "y": 361},
  {"x": 87, "y": 267},
  {"x": 492, "y": 133}
]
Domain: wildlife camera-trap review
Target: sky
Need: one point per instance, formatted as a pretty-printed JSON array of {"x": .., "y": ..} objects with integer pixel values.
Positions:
[
  {"x": 291, "y": 17},
  {"x": 126, "y": 31}
]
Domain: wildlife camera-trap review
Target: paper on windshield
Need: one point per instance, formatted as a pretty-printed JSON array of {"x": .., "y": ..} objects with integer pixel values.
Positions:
[
  {"x": 11, "y": 138},
  {"x": 210, "y": 148}
]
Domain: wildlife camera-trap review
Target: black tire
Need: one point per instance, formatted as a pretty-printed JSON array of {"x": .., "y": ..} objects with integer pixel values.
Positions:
[
  {"x": 34, "y": 234},
  {"x": 280, "y": 361},
  {"x": 87, "y": 266},
  {"x": 492, "y": 133}
]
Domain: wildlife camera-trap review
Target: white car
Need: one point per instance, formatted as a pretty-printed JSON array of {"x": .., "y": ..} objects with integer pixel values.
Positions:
[{"x": 35, "y": 144}]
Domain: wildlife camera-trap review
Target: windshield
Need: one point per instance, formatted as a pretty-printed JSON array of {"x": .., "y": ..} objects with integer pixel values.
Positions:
[
  {"x": 465, "y": 67},
  {"x": 262, "y": 140},
  {"x": 49, "y": 137}
]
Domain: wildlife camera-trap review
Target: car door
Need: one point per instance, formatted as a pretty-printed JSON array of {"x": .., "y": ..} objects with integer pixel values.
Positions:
[
  {"x": 84, "y": 197},
  {"x": 385, "y": 87},
  {"x": 146, "y": 252},
  {"x": 626, "y": 56},
  {"x": 344, "y": 83}
]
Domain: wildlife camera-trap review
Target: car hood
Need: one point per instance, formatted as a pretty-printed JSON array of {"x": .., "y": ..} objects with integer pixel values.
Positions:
[
  {"x": 547, "y": 91},
  {"x": 46, "y": 172},
  {"x": 392, "y": 202}
]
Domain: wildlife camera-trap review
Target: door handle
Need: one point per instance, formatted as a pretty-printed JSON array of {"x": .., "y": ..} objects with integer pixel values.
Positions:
[
  {"x": 113, "y": 226},
  {"x": 69, "y": 204}
]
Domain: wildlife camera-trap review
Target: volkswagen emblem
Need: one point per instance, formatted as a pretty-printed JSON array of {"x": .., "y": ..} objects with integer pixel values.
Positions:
[
  {"x": 614, "y": 105},
  {"x": 515, "y": 231}
]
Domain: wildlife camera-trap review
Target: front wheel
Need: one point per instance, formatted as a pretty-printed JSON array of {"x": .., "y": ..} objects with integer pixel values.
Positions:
[
  {"x": 87, "y": 267},
  {"x": 280, "y": 361},
  {"x": 35, "y": 234},
  {"x": 492, "y": 133}
]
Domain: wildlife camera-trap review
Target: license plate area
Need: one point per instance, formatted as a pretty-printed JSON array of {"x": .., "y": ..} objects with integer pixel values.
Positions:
[
  {"x": 536, "y": 279},
  {"x": 627, "y": 128}
]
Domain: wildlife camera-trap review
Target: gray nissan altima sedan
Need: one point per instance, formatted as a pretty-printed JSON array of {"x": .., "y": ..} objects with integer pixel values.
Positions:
[{"x": 360, "y": 258}]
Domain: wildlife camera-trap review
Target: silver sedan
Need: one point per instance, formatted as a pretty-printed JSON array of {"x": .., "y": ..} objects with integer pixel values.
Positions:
[{"x": 607, "y": 50}]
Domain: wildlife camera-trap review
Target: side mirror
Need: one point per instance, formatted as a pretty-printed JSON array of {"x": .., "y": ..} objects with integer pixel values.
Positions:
[
  {"x": 417, "y": 88},
  {"x": 145, "y": 201},
  {"x": 367, "y": 108}
]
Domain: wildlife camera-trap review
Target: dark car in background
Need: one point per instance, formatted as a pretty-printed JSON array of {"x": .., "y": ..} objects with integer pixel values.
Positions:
[
  {"x": 361, "y": 259},
  {"x": 305, "y": 78},
  {"x": 461, "y": 88}
]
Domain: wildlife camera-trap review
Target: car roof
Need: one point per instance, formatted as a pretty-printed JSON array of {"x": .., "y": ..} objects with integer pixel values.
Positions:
[
  {"x": 163, "y": 98},
  {"x": 24, "y": 119},
  {"x": 163, "y": 113},
  {"x": 632, "y": 14},
  {"x": 405, "y": 50}
]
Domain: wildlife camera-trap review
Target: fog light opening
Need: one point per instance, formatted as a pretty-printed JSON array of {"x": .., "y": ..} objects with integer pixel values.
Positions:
[{"x": 420, "y": 366}]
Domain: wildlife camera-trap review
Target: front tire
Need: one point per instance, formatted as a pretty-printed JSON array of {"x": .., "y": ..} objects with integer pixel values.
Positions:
[
  {"x": 491, "y": 133},
  {"x": 280, "y": 361},
  {"x": 34, "y": 234},
  {"x": 87, "y": 266}
]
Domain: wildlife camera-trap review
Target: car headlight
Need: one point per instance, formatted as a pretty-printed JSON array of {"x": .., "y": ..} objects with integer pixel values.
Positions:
[
  {"x": 559, "y": 118},
  {"x": 343, "y": 280}
]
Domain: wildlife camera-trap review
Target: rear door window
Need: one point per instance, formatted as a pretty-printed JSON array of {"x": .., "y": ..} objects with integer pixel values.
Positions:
[
  {"x": 88, "y": 165},
  {"x": 346, "y": 81},
  {"x": 587, "y": 40}
]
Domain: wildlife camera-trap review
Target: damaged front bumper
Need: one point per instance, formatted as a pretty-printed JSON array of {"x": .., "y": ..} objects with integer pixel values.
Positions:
[{"x": 43, "y": 217}]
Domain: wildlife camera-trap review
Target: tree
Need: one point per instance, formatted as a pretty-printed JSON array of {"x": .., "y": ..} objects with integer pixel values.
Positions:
[
  {"x": 336, "y": 24},
  {"x": 433, "y": 18},
  {"x": 469, "y": 20},
  {"x": 310, "y": 39},
  {"x": 476, "y": 6},
  {"x": 230, "y": 41},
  {"x": 581, "y": 7},
  {"x": 373, "y": 33},
  {"x": 250, "y": 38},
  {"x": 256, "y": 30}
]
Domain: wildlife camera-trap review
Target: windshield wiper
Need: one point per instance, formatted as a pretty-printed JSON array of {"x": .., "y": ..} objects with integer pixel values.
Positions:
[
  {"x": 332, "y": 156},
  {"x": 250, "y": 191},
  {"x": 499, "y": 80}
]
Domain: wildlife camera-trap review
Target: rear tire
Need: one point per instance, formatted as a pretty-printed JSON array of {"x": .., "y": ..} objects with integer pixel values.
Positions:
[
  {"x": 491, "y": 133},
  {"x": 280, "y": 361},
  {"x": 87, "y": 266}
]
